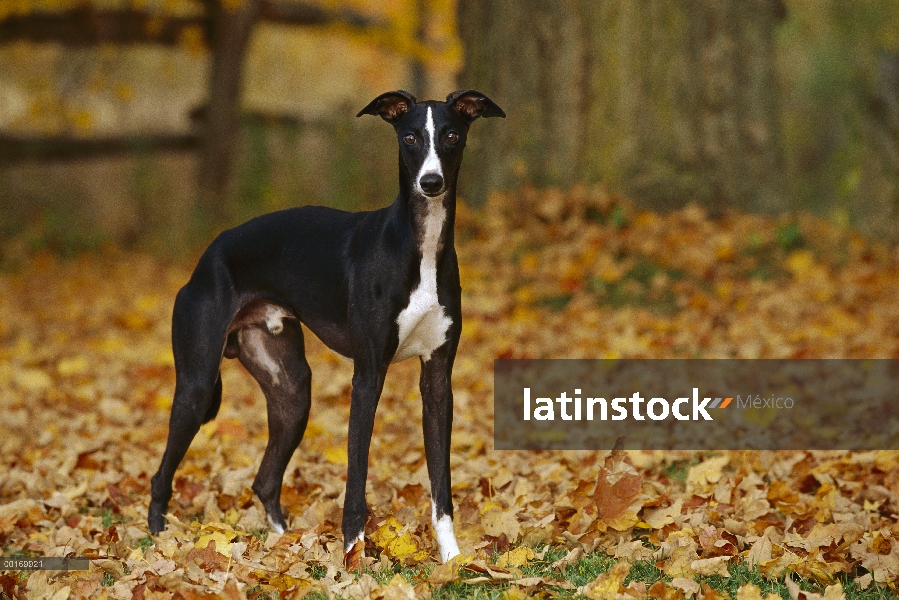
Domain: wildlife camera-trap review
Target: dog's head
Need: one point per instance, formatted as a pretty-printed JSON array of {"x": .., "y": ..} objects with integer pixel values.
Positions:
[{"x": 432, "y": 134}]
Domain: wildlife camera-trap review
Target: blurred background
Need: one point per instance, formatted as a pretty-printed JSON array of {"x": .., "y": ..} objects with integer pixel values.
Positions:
[{"x": 151, "y": 124}]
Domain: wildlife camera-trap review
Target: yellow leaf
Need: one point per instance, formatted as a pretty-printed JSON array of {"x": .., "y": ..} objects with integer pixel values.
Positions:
[
  {"x": 222, "y": 543},
  {"x": 135, "y": 320},
  {"x": 606, "y": 586},
  {"x": 337, "y": 455},
  {"x": 749, "y": 591},
  {"x": 33, "y": 380},
  {"x": 397, "y": 542},
  {"x": 73, "y": 366},
  {"x": 165, "y": 358},
  {"x": 680, "y": 550},
  {"x": 448, "y": 572},
  {"x": 497, "y": 522},
  {"x": 518, "y": 557},
  {"x": 163, "y": 401}
]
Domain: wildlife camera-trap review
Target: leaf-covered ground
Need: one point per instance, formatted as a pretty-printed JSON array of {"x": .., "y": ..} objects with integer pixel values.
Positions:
[{"x": 86, "y": 378}]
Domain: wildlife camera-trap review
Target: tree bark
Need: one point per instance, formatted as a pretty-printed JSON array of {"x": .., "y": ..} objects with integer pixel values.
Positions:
[
  {"x": 669, "y": 101},
  {"x": 229, "y": 35}
]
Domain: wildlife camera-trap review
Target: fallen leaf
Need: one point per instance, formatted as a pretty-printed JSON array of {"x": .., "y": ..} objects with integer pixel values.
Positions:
[
  {"x": 711, "y": 566},
  {"x": 707, "y": 472},
  {"x": 688, "y": 586},
  {"x": 749, "y": 591},
  {"x": 209, "y": 558},
  {"x": 518, "y": 557},
  {"x": 831, "y": 592},
  {"x": 613, "y": 497},
  {"x": 607, "y": 585}
]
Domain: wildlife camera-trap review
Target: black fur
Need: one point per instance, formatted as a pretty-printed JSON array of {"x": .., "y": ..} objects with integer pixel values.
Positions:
[{"x": 347, "y": 277}]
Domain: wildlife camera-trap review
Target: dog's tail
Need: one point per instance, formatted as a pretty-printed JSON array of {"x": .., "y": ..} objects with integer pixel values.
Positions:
[{"x": 216, "y": 400}]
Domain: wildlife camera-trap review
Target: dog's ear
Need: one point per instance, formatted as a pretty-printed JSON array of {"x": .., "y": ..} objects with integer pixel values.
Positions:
[
  {"x": 471, "y": 104},
  {"x": 390, "y": 106}
]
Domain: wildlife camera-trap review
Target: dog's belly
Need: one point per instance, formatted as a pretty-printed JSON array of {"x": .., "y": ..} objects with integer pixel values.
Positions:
[{"x": 422, "y": 326}]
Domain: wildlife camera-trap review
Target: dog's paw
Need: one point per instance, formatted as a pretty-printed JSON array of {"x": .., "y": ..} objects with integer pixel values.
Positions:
[
  {"x": 156, "y": 522},
  {"x": 275, "y": 525}
]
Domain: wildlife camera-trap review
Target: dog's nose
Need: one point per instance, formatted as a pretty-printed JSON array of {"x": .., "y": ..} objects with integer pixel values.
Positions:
[{"x": 431, "y": 183}]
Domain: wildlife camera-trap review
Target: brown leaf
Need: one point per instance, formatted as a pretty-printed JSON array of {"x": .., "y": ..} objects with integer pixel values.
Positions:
[
  {"x": 613, "y": 498},
  {"x": 353, "y": 560},
  {"x": 448, "y": 571},
  {"x": 831, "y": 592},
  {"x": 665, "y": 592},
  {"x": 208, "y": 558},
  {"x": 118, "y": 496}
]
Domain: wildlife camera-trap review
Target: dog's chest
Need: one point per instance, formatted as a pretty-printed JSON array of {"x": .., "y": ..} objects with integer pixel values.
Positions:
[{"x": 423, "y": 323}]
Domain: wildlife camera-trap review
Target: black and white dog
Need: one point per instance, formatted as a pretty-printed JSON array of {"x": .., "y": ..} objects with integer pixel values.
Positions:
[{"x": 377, "y": 287}]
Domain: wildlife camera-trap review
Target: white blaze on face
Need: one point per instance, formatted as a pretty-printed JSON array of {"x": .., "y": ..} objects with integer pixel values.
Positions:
[
  {"x": 446, "y": 538},
  {"x": 431, "y": 163}
]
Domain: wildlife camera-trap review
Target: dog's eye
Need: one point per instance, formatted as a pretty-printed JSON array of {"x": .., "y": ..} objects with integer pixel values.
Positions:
[
  {"x": 409, "y": 138},
  {"x": 452, "y": 137}
]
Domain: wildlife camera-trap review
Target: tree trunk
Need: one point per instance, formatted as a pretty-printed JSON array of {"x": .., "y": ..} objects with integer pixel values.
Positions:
[
  {"x": 229, "y": 35},
  {"x": 669, "y": 101}
]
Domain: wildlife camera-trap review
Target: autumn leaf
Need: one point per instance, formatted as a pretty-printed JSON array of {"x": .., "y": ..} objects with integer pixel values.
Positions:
[
  {"x": 397, "y": 541},
  {"x": 448, "y": 571},
  {"x": 208, "y": 557},
  {"x": 88, "y": 399},
  {"x": 831, "y": 592},
  {"x": 498, "y": 522},
  {"x": 749, "y": 591},
  {"x": 613, "y": 497},
  {"x": 607, "y": 585},
  {"x": 707, "y": 472},
  {"x": 518, "y": 557}
]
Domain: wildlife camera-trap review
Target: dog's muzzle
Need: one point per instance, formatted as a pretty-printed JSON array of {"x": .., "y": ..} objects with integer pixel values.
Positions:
[{"x": 431, "y": 184}]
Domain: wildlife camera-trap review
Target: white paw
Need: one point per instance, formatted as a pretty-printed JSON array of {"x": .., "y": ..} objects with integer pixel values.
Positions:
[
  {"x": 274, "y": 526},
  {"x": 446, "y": 538}
]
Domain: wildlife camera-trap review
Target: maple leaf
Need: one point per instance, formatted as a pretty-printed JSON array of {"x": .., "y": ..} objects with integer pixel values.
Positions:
[
  {"x": 613, "y": 498},
  {"x": 207, "y": 558}
]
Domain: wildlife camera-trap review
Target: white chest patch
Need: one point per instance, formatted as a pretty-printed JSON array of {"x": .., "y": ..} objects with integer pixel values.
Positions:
[{"x": 423, "y": 323}]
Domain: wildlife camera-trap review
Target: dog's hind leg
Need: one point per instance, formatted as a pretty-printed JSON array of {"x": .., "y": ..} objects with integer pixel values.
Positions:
[
  {"x": 273, "y": 353},
  {"x": 198, "y": 337}
]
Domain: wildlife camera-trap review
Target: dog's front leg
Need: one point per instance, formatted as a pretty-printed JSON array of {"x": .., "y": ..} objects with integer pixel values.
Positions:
[
  {"x": 437, "y": 423},
  {"x": 367, "y": 384}
]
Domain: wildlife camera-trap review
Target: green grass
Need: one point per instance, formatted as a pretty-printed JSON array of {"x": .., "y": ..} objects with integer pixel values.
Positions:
[
  {"x": 145, "y": 542},
  {"x": 635, "y": 288},
  {"x": 591, "y": 566}
]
